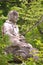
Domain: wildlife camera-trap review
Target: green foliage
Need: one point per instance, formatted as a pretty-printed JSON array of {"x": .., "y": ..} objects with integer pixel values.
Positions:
[{"x": 29, "y": 13}]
